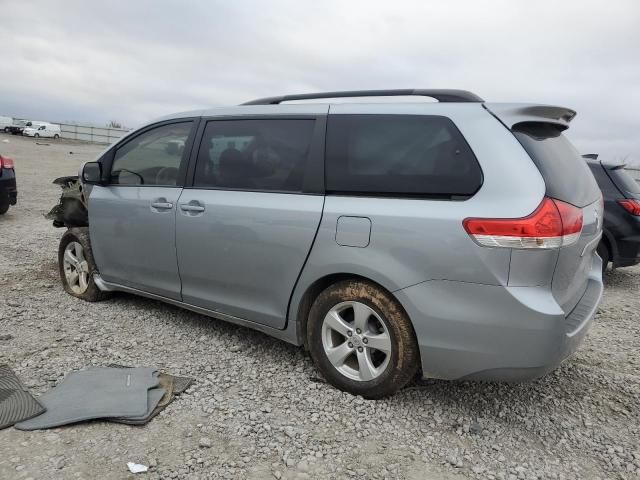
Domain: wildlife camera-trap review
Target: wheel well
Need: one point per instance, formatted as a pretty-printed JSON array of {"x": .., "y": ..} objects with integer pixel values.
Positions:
[
  {"x": 320, "y": 285},
  {"x": 607, "y": 242}
]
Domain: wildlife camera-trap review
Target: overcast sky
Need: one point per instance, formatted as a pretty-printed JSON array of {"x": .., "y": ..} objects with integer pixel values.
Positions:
[{"x": 132, "y": 61}]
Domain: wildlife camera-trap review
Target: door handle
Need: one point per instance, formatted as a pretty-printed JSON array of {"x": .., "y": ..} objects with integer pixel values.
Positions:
[
  {"x": 162, "y": 205},
  {"x": 187, "y": 207}
]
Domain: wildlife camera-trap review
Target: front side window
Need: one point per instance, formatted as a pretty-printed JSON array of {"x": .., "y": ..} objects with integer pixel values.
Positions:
[
  {"x": 400, "y": 155},
  {"x": 152, "y": 158},
  {"x": 254, "y": 154}
]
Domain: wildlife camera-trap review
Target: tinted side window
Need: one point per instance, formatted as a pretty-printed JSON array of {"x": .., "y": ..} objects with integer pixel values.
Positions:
[
  {"x": 152, "y": 158},
  {"x": 565, "y": 172},
  {"x": 399, "y": 154},
  {"x": 267, "y": 154}
]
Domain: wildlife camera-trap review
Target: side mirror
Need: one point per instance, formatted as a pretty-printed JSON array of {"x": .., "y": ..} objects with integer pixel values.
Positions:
[{"x": 92, "y": 173}]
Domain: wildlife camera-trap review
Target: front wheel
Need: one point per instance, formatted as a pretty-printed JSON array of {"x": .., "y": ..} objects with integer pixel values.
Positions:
[
  {"x": 77, "y": 267},
  {"x": 56, "y": 136},
  {"x": 37, "y": 135},
  {"x": 361, "y": 339}
]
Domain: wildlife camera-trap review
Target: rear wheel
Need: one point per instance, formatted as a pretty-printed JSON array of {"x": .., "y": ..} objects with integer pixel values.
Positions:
[
  {"x": 603, "y": 252},
  {"x": 56, "y": 136},
  {"x": 361, "y": 339},
  {"x": 77, "y": 267},
  {"x": 4, "y": 205}
]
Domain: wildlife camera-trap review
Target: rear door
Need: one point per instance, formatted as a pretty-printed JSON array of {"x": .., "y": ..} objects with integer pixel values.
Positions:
[
  {"x": 132, "y": 219},
  {"x": 568, "y": 179},
  {"x": 246, "y": 225}
]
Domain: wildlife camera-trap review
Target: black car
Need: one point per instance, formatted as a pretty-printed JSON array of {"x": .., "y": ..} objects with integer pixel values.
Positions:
[
  {"x": 620, "y": 242},
  {"x": 8, "y": 189},
  {"x": 19, "y": 127}
]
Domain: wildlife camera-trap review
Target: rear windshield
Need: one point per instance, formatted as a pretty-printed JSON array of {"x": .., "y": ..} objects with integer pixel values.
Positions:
[
  {"x": 624, "y": 181},
  {"x": 565, "y": 172}
]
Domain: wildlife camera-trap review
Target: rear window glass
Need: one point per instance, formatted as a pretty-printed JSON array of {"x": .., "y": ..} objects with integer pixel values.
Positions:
[
  {"x": 624, "y": 181},
  {"x": 565, "y": 172},
  {"x": 399, "y": 155}
]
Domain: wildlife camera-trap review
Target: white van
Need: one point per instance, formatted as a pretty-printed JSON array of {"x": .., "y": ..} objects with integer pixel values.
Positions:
[
  {"x": 5, "y": 123},
  {"x": 42, "y": 130}
]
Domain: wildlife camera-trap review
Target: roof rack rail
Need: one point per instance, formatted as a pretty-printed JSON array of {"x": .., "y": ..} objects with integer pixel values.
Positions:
[{"x": 442, "y": 95}]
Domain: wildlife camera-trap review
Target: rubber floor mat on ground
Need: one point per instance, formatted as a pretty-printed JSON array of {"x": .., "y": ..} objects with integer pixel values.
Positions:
[
  {"x": 180, "y": 384},
  {"x": 95, "y": 393},
  {"x": 16, "y": 403},
  {"x": 156, "y": 404},
  {"x": 172, "y": 385}
]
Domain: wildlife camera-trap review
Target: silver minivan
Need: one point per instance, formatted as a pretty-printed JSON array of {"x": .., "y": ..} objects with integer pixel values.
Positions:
[{"x": 453, "y": 239}]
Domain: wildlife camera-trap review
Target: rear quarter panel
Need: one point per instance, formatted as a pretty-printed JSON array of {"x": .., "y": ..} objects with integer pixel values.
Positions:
[{"x": 416, "y": 240}]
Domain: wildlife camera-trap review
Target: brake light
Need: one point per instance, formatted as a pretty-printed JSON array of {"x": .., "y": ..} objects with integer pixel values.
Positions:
[
  {"x": 6, "y": 162},
  {"x": 554, "y": 224},
  {"x": 631, "y": 205}
]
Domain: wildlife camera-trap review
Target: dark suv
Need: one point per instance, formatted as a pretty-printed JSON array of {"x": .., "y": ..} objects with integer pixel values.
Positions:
[{"x": 620, "y": 242}]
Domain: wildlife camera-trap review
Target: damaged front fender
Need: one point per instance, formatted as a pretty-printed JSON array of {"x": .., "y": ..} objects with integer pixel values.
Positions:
[{"x": 71, "y": 210}]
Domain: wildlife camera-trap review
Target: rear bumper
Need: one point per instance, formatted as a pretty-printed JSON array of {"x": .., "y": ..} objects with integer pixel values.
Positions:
[{"x": 485, "y": 332}]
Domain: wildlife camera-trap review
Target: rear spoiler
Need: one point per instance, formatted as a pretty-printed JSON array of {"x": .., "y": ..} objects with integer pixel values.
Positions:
[
  {"x": 608, "y": 164},
  {"x": 511, "y": 114},
  {"x": 614, "y": 166}
]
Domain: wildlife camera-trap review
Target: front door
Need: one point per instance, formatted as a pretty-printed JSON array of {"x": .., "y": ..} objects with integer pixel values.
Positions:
[
  {"x": 132, "y": 219},
  {"x": 245, "y": 228}
]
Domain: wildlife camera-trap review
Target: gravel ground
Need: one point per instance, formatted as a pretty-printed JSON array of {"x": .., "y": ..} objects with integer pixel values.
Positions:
[{"x": 257, "y": 410}]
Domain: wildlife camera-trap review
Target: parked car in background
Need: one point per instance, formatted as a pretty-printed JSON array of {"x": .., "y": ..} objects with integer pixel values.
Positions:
[
  {"x": 8, "y": 188},
  {"x": 620, "y": 244},
  {"x": 19, "y": 125},
  {"x": 5, "y": 123},
  {"x": 47, "y": 130},
  {"x": 450, "y": 240}
]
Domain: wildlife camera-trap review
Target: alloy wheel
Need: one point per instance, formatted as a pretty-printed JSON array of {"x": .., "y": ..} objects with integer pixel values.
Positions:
[
  {"x": 356, "y": 341},
  {"x": 76, "y": 268}
]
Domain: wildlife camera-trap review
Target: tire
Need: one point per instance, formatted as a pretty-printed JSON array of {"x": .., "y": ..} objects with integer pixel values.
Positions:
[
  {"x": 603, "y": 251},
  {"x": 37, "y": 135},
  {"x": 76, "y": 240},
  {"x": 357, "y": 366},
  {"x": 6, "y": 129},
  {"x": 4, "y": 206},
  {"x": 56, "y": 136}
]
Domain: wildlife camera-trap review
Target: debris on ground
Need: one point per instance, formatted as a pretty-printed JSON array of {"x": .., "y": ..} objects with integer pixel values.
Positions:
[{"x": 136, "y": 467}]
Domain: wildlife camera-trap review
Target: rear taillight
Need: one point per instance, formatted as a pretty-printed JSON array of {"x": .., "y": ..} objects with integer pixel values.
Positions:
[
  {"x": 631, "y": 205},
  {"x": 6, "y": 162},
  {"x": 553, "y": 225}
]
